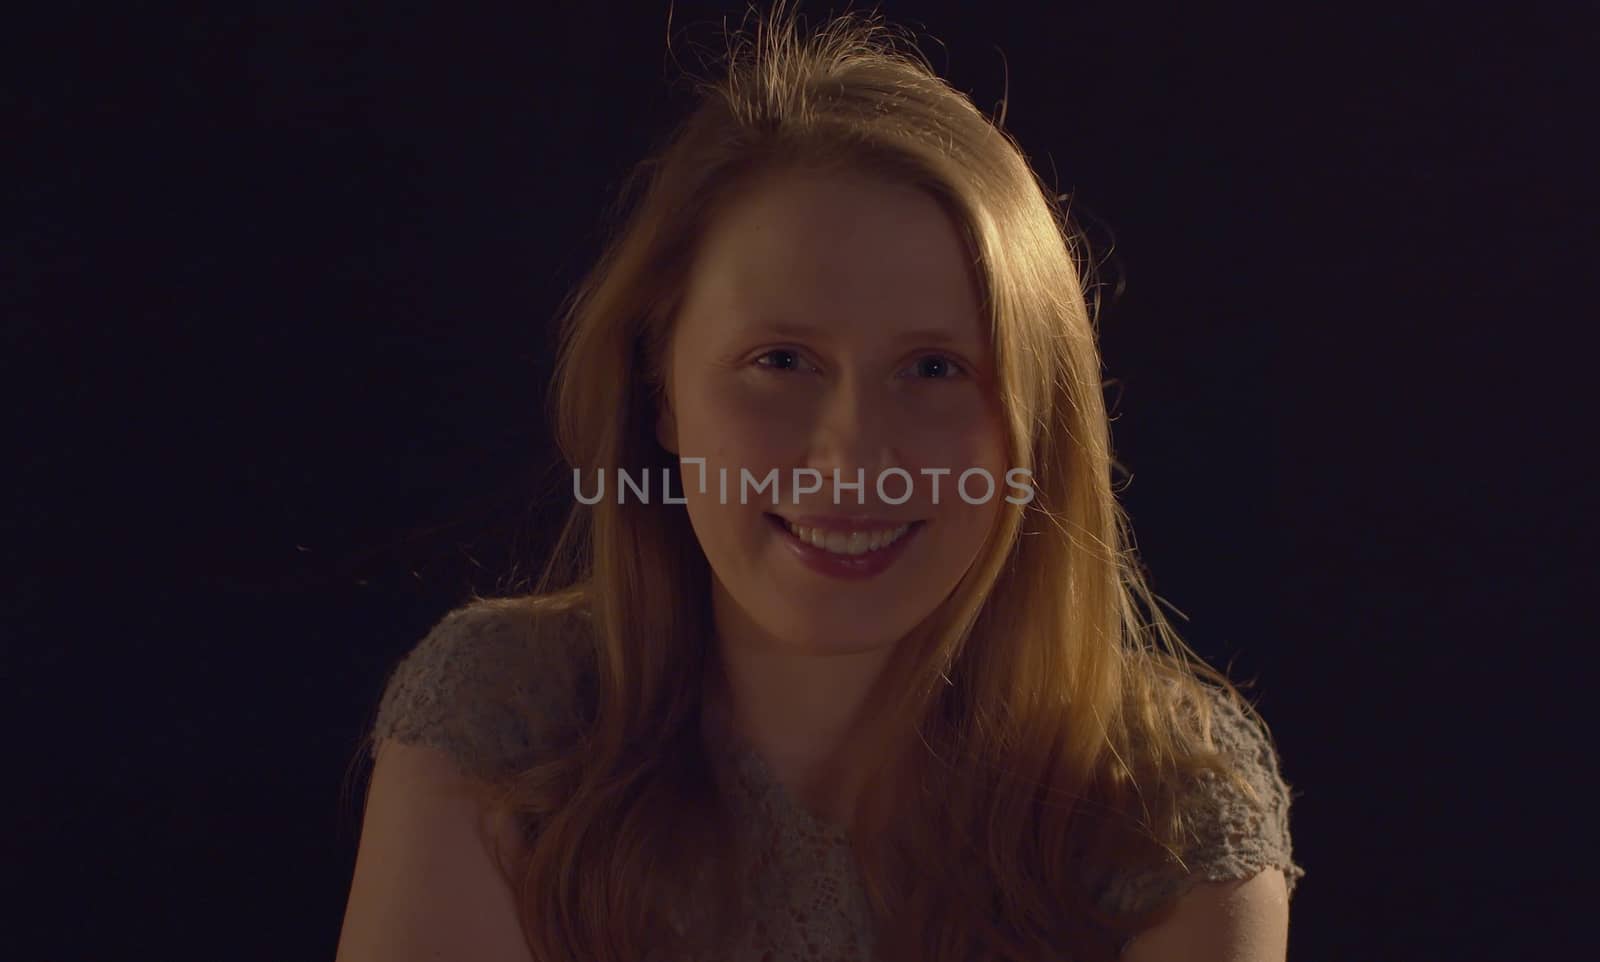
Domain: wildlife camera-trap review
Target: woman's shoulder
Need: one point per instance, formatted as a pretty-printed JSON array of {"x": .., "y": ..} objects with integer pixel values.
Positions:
[
  {"x": 1233, "y": 833},
  {"x": 1236, "y": 834},
  {"x": 492, "y": 683}
]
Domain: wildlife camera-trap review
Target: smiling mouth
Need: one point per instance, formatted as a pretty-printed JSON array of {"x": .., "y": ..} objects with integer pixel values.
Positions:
[{"x": 847, "y": 542}]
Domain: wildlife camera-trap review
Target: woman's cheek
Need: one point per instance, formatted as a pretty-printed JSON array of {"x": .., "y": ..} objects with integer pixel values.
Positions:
[
  {"x": 957, "y": 439},
  {"x": 765, "y": 430}
]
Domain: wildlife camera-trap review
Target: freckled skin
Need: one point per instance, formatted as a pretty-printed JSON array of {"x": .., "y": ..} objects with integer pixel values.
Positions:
[{"x": 833, "y": 322}]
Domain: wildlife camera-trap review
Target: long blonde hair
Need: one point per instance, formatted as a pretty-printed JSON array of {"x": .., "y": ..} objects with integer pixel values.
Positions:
[{"x": 1037, "y": 728}]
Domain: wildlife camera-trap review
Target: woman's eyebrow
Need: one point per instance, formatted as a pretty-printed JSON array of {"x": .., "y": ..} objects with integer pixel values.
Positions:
[{"x": 929, "y": 335}]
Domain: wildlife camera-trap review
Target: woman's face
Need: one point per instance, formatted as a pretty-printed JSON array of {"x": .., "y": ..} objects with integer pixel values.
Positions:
[{"x": 833, "y": 323}]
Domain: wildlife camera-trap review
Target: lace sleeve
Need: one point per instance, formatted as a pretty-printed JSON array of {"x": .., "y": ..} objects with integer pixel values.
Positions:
[
  {"x": 1233, "y": 836},
  {"x": 483, "y": 687}
]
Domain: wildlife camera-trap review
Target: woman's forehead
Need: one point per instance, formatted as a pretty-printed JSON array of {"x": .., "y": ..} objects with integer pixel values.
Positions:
[
  {"x": 838, "y": 225},
  {"x": 808, "y": 253}
]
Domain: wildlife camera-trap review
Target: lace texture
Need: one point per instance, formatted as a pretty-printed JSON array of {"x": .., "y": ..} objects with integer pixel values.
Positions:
[
  {"x": 477, "y": 688},
  {"x": 808, "y": 903},
  {"x": 1231, "y": 836}
]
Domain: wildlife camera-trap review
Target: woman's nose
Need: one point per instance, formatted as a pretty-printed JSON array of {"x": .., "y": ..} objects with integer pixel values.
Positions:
[{"x": 854, "y": 431}]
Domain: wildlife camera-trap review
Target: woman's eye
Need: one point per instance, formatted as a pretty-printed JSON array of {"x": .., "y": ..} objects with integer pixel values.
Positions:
[
  {"x": 780, "y": 359},
  {"x": 931, "y": 367},
  {"x": 937, "y": 367}
]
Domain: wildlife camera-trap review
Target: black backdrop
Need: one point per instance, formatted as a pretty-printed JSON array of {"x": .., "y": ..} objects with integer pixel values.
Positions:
[{"x": 278, "y": 292}]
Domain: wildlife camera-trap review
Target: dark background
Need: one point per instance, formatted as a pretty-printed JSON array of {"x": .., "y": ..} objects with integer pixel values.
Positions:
[{"x": 279, "y": 284}]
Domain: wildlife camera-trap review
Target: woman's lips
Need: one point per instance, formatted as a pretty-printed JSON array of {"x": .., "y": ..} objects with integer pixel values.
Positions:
[
  {"x": 844, "y": 566},
  {"x": 843, "y": 523}
]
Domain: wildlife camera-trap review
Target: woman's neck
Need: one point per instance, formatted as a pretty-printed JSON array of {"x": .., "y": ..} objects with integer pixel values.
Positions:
[{"x": 799, "y": 710}]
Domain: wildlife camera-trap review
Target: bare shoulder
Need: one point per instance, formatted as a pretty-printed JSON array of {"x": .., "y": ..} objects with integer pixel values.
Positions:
[
  {"x": 426, "y": 883},
  {"x": 1242, "y": 920}
]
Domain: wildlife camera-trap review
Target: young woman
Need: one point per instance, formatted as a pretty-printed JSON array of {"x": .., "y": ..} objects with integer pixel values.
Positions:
[{"x": 876, "y": 676}]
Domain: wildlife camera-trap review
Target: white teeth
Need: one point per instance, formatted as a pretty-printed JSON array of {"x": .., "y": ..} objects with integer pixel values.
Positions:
[{"x": 848, "y": 543}]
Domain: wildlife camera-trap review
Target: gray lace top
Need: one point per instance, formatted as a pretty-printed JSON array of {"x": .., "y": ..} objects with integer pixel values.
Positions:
[{"x": 811, "y": 906}]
